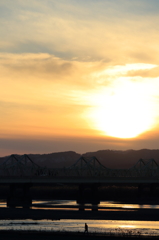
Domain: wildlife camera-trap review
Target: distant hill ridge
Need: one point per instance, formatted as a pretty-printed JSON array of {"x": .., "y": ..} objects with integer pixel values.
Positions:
[{"x": 109, "y": 158}]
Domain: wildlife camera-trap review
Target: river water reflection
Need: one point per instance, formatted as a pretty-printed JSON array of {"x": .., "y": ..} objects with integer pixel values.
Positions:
[{"x": 107, "y": 226}]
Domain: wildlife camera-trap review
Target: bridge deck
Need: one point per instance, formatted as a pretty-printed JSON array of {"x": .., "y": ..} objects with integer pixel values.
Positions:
[{"x": 78, "y": 180}]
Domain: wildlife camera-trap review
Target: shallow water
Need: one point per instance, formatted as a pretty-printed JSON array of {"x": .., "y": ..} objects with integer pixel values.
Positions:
[
  {"x": 105, "y": 205},
  {"x": 107, "y": 226}
]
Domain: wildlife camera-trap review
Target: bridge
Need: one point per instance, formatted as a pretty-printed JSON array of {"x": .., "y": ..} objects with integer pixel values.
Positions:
[{"x": 21, "y": 171}]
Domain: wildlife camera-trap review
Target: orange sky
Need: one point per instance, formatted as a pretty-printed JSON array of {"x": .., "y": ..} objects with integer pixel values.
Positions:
[{"x": 81, "y": 75}]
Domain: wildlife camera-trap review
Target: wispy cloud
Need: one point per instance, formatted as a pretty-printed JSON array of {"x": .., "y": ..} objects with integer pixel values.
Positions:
[{"x": 101, "y": 30}]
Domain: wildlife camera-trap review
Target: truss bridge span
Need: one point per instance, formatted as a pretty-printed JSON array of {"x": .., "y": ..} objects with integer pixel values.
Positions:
[
  {"x": 22, "y": 172},
  {"x": 22, "y": 169}
]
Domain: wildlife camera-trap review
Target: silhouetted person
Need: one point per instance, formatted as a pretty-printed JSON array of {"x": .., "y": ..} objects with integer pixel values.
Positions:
[{"x": 86, "y": 228}]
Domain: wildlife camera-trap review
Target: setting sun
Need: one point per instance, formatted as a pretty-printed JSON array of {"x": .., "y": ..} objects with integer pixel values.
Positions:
[
  {"x": 124, "y": 110},
  {"x": 125, "y": 117}
]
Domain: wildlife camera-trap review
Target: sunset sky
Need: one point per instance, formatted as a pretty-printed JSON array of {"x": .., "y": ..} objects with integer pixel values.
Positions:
[{"x": 78, "y": 75}]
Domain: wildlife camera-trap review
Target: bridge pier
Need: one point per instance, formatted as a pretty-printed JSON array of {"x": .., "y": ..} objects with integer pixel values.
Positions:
[
  {"x": 19, "y": 195},
  {"x": 140, "y": 189},
  {"x": 152, "y": 189},
  {"x": 88, "y": 193},
  {"x": 144, "y": 189}
]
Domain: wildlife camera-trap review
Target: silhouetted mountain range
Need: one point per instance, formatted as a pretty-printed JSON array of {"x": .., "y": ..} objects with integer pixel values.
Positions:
[
  {"x": 123, "y": 159},
  {"x": 109, "y": 158}
]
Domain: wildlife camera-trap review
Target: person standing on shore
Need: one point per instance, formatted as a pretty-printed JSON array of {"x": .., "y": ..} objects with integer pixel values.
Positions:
[{"x": 86, "y": 228}]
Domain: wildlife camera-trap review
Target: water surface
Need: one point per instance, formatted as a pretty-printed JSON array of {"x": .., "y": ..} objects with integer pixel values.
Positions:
[{"x": 105, "y": 226}]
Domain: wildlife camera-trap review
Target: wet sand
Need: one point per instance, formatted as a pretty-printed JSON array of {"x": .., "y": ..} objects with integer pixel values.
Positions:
[{"x": 38, "y": 214}]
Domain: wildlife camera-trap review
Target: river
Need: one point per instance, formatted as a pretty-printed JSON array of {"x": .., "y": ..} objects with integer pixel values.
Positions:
[{"x": 76, "y": 225}]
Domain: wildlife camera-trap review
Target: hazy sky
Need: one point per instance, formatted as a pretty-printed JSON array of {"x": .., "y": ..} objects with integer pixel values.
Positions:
[{"x": 78, "y": 75}]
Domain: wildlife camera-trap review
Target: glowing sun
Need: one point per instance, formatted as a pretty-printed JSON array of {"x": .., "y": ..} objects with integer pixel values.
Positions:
[{"x": 124, "y": 112}]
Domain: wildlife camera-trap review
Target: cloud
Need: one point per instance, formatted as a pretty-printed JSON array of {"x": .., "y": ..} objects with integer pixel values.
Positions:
[
  {"x": 146, "y": 73},
  {"x": 39, "y": 94},
  {"x": 37, "y": 64},
  {"x": 46, "y": 67},
  {"x": 102, "y": 30}
]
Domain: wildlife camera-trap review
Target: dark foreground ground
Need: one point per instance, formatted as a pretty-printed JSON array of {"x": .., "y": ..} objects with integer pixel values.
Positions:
[{"x": 21, "y": 235}]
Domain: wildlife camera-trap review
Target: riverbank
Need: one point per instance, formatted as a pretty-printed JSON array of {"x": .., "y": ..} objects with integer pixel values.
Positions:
[
  {"x": 38, "y": 214},
  {"x": 40, "y": 235},
  {"x": 121, "y": 193}
]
